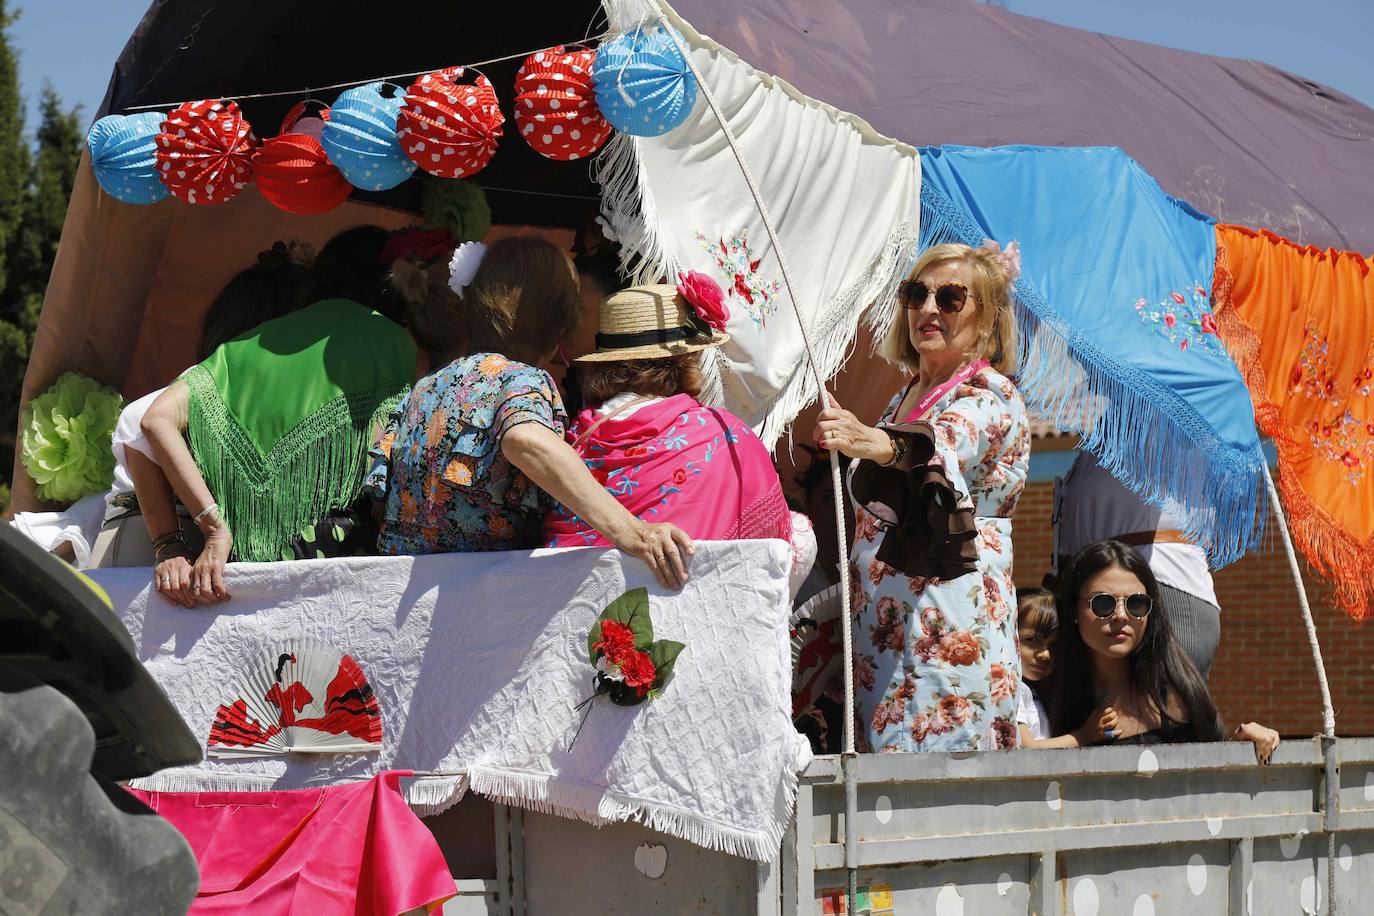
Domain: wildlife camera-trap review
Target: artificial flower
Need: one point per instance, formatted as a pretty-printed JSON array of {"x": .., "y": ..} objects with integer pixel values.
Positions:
[
  {"x": 415, "y": 244},
  {"x": 705, "y": 297},
  {"x": 639, "y": 671},
  {"x": 617, "y": 640},
  {"x": 65, "y": 438},
  {"x": 462, "y": 267}
]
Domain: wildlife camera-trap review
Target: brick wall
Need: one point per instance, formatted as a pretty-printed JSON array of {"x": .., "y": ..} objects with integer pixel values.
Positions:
[{"x": 1263, "y": 670}]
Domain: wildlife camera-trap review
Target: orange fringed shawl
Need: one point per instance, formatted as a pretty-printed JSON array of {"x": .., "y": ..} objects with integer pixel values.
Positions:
[{"x": 1300, "y": 324}]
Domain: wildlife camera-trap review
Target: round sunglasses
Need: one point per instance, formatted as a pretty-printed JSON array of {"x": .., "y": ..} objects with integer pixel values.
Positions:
[
  {"x": 950, "y": 298},
  {"x": 1104, "y": 605}
]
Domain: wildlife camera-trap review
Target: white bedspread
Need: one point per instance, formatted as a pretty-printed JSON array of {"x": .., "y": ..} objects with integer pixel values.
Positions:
[{"x": 477, "y": 661}]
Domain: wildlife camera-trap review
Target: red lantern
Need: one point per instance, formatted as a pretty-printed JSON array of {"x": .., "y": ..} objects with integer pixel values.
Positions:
[
  {"x": 294, "y": 173},
  {"x": 555, "y": 106},
  {"x": 204, "y": 151},
  {"x": 448, "y": 129}
]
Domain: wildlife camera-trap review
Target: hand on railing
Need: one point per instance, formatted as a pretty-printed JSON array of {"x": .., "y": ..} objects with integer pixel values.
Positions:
[{"x": 1264, "y": 739}]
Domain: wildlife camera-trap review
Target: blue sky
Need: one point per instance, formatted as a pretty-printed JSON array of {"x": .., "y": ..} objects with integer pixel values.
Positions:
[{"x": 74, "y": 43}]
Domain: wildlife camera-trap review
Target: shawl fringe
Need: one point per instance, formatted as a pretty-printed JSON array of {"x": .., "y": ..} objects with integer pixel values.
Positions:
[
  {"x": 1331, "y": 550},
  {"x": 1144, "y": 434},
  {"x": 318, "y": 466}
]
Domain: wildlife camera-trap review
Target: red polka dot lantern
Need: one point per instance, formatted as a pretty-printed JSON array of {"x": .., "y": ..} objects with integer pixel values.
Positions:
[
  {"x": 204, "y": 151},
  {"x": 448, "y": 128},
  {"x": 293, "y": 171},
  {"x": 555, "y": 106}
]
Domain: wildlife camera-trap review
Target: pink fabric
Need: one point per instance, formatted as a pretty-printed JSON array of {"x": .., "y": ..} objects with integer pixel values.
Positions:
[
  {"x": 676, "y": 461},
  {"x": 354, "y": 848}
]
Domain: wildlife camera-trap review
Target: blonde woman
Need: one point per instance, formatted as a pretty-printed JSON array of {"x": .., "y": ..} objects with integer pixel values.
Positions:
[{"x": 935, "y": 483}]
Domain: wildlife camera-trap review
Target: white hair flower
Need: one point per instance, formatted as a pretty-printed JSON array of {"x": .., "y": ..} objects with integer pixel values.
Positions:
[{"x": 462, "y": 267}]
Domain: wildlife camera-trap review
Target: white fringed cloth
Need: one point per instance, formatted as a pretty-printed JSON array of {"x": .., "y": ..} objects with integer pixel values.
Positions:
[{"x": 477, "y": 661}]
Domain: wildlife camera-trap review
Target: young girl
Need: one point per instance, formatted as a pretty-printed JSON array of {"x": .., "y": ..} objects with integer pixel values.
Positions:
[
  {"x": 1121, "y": 676},
  {"x": 1037, "y": 623}
]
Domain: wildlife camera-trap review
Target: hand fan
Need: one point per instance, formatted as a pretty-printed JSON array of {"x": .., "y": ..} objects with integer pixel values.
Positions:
[
  {"x": 300, "y": 696},
  {"x": 817, "y": 653}
]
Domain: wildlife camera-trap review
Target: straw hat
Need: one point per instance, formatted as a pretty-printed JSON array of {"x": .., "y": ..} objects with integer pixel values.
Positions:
[{"x": 649, "y": 322}]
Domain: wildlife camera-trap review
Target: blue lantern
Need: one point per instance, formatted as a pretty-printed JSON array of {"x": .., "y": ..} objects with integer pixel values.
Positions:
[
  {"x": 123, "y": 155},
  {"x": 643, "y": 84},
  {"x": 360, "y": 138}
]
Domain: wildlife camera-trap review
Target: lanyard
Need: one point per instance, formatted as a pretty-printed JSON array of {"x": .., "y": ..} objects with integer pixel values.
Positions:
[{"x": 941, "y": 390}]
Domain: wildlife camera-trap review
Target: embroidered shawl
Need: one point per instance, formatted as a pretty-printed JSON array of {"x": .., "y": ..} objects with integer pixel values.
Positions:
[
  {"x": 1300, "y": 322},
  {"x": 280, "y": 418},
  {"x": 676, "y": 461},
  {"x": 1118, "y": 340}
]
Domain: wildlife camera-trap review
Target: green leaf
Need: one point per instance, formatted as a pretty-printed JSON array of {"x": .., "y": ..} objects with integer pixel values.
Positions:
[
  {"x": 632, "y": 609},
  {"x": 664, "y": 655}
]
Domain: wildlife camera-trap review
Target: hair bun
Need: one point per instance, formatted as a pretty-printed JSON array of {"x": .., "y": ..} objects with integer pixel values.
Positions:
[{"x": 411, "y": 280}]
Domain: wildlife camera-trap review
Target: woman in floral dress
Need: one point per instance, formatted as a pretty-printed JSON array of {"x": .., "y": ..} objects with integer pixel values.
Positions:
[
  {"x": 935, "y": 484},
  {"x": 474, "y": 456}
]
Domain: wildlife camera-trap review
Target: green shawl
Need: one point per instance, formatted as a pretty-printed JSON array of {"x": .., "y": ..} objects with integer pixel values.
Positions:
[{"x": 280, "y": 420}]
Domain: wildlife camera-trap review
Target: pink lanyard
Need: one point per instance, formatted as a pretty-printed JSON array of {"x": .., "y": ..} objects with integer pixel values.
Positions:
[{"x": 941, "y": 390}]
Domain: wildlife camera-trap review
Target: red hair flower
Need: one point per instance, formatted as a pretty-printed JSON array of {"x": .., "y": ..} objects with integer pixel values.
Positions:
[
  {"x": 423, "y": 245},
  {"x": 705, "y": 297}
]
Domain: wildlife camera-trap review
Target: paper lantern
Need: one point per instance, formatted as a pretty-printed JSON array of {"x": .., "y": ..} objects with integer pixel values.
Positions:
[
  {"x": 555, "y": 106},
  {"x": 124, "y": 157},
  {"x": 360, "y": 138},
  {"x": 643, "y": 84},
  {"x": 204, "y": 151},
  {"x": 450, "y": 129},
  {"x": 294, "y": 173}
]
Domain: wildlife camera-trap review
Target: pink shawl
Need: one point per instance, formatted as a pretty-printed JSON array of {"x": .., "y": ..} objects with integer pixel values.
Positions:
[{"x": 676, "y": 461}]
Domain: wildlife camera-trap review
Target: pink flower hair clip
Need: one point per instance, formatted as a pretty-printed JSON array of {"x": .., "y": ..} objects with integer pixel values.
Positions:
[
  {"x": 1009, "y": 258},
  {"x": 704, "y": 295}
]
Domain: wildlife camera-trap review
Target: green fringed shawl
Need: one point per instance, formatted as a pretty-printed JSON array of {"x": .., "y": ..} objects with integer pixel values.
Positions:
[{"x": 280, "y": 420}]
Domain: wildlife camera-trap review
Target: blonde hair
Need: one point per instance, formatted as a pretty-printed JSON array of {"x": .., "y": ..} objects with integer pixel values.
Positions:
[{"x": 997, "y": 331}]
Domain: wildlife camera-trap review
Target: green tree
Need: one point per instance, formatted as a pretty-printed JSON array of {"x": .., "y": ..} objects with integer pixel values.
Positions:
[{"x": 35, "y": 187}]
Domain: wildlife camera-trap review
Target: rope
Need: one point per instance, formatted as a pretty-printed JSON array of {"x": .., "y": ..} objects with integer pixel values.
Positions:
[
  {"x": 1328, "y": 711},
  {"x": 835, "y": 482},
  {"x": 306, "y": 90}
]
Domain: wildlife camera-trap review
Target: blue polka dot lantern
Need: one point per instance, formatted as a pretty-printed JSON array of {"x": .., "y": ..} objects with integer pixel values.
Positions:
[
  {"x": 643, "y": 84},
  {"x": 360, "y": 138},
  {"x": 123, "y": 154}
]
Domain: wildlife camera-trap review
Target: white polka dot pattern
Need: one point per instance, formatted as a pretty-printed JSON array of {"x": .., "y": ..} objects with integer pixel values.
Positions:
[
  {"x": 555, "y": 107},
  {"x": 204, "y": 151},
  {"x": 450, "y": 129}
]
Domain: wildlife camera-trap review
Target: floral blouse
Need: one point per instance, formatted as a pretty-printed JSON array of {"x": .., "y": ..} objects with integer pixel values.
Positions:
[{"x": 439, "y": 464}]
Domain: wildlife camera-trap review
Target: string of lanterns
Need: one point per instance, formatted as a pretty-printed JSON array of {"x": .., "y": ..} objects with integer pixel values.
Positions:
[{"x": 447, "y": 123}]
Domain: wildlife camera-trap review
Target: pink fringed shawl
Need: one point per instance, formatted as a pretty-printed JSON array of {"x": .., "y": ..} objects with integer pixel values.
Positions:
[{"x": 676, "y": 461}]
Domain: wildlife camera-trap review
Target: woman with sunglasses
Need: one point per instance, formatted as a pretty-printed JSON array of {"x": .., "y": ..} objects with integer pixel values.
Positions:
[
  {"x": 935, "y": 483},
  {"x": 1121, "y": 676}
]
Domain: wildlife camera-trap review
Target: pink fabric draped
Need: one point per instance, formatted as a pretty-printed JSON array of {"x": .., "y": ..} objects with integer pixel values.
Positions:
[
  {"x": 700, "y": 468},
  {"x": 354, "y": 848}
]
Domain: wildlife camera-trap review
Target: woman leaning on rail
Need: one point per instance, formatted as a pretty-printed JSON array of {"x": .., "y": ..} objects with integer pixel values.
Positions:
[{"x": 934, "y": 484}]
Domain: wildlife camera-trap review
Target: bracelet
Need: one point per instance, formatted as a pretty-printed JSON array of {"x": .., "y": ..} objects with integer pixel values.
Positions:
[
  {"x": 898, "y": 448},
  {"x": 213, "y": 507}
]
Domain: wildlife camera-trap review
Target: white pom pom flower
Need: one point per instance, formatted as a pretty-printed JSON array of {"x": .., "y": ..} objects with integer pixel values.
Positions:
[{"x": 462, "y": 267}]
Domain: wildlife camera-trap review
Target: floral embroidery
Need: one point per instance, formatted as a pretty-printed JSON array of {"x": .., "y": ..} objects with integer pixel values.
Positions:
[
  {"x": 1345, "y": 438},
  {"x": 740, "y": 268},
  {"x": 1184, "y": 320}
]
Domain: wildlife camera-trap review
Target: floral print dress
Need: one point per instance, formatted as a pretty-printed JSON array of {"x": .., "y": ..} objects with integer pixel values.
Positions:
[
  {"x": 439, "y": 464},
  {"x": 936, "y": 664}
]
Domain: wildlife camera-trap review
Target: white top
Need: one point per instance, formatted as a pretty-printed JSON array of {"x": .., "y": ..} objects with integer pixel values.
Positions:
[
  {"x": 1031, "y": 713},
  {"x": 1091, "y": 505},
  {"x": 620, "y": 400},
  {"x": 80, "y": 523}
]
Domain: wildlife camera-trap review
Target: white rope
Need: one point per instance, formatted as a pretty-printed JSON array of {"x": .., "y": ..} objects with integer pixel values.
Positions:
[
  {"x": 306, "y": 90},
  {"x": 836, "y": 484},
  {"x": 1328, "y": 711}
]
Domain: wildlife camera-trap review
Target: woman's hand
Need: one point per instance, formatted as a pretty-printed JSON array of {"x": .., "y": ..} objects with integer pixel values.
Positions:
[
  {"x": 172, "y": 576},
  {"x": 207, "y": 576},
  {"x": 663, "y": 547},
  {"x": 839, "y": 430},
  {"x": 1264, "y": 739},
  {"x": 1099, "y": 727}
]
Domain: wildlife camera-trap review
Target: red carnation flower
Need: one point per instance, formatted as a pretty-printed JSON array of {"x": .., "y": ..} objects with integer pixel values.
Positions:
[
  {"x": 617, "y": 641},
  {"x": 639, "y": 671}
]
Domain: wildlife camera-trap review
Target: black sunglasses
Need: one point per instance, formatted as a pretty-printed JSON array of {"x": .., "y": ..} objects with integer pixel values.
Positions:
[
  {"x": 949, "y": 297},
  {"x": 1104, "y": 605}
]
